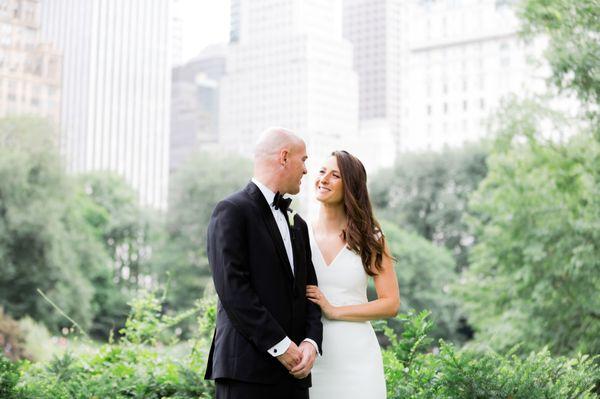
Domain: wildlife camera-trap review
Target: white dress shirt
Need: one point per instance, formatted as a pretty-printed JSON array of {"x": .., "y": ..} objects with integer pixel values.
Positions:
[
  {"x": 281, "y": 221},
  {"x": 282, "y": 224}
]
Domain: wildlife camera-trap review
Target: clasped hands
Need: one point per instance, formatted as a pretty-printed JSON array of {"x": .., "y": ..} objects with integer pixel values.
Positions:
[{"x": 299, "y": 360}]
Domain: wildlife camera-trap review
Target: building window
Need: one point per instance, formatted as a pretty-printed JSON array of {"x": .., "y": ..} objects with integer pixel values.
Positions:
[
  {"x": 445, "y": 108},
  {"x": 465, "y": 105}
]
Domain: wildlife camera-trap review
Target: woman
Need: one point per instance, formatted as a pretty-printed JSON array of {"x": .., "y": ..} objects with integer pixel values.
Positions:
[{"x": 347, "y": 247}]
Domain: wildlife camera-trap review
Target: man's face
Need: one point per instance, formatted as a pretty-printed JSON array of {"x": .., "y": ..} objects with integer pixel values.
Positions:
[{"x": 295, "y": 167}]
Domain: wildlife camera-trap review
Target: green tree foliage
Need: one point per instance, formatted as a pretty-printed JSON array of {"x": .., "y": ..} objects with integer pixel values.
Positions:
[
  {"x": 425, "y": 275},
  {"x": 42, "y": 244},
  {"x": 110, "y": 207},
  {"x": 120, "y": 224},
  {"x": 428, "y": 192},
  {"x": 534, "y": 276},
  {"x": 573, "y": 29},
  {"x": 196, "y": 188}
]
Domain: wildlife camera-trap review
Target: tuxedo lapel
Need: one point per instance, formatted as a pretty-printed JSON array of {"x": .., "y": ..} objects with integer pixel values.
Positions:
[
  {"x": 295, "y": 233},
  {"x": 269, "y": 220}
]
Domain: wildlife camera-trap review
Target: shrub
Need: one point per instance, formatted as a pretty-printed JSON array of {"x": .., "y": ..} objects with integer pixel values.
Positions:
[
  {"x": 12, "y": 340},
  {"x": 37, "y": 340},
  {"x": 138, "y": 366},
  {"x": 9, "y": 377},
  {"x": 413, "y": 373}
]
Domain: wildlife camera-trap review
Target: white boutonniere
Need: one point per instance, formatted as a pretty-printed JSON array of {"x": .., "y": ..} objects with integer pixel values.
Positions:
[{"x": 291, "y": 214}]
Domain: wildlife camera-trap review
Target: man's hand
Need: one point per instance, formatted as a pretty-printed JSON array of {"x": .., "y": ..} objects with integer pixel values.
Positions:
[
  {"x": 291, "y": 357},
  {"x": 309, "y": 354}
]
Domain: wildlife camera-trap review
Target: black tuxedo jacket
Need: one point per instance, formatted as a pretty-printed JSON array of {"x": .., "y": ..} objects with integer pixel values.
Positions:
[{"x": 260, "y": 300}]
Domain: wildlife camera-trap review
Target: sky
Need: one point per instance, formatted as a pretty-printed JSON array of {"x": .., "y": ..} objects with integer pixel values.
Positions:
[{"x": 204, "y": 22}]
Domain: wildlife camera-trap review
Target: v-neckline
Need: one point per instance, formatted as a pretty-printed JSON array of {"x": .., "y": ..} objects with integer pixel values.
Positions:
[{"x": 321, "y": 253}]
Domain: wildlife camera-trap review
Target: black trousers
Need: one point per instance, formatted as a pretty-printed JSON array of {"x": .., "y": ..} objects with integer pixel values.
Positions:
[{"x": 231, "y": 389}]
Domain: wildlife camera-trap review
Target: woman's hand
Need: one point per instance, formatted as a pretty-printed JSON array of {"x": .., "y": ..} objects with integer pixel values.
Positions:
[{"x": 314, "y": 294}]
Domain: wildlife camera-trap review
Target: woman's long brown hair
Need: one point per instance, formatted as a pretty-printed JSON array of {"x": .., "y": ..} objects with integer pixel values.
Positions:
[{"x": 363, "y": 233}]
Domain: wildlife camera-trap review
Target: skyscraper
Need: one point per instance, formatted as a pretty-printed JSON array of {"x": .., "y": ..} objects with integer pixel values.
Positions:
[
  {"x": 465, "y": 56},
  {"x": 288, "y": 65},
  {"x": 378, "y": 31},
  {"x": 116, "y": 87},
  {"x": 195, "y": 104},
  {"x": 30, "y": 70}
]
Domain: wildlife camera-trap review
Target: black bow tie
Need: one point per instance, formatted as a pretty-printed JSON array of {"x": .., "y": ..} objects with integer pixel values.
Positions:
[{"x": 281, "y": 203}]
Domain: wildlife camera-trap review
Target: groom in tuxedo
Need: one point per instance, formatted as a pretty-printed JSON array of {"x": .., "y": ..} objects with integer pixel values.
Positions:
[{"x": 267, "y": 334}]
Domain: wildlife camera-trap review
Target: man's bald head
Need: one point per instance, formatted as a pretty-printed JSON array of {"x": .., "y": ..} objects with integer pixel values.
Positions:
[
  {"x": 273, "y": 140},
  {"x": 279, "y": 160}
]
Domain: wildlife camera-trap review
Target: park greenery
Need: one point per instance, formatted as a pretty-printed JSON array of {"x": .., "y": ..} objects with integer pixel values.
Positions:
[{"x": 496, "y": 247}]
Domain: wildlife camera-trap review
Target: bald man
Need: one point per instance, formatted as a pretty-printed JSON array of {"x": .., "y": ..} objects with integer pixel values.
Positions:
[{"x": 267, "y": 334}]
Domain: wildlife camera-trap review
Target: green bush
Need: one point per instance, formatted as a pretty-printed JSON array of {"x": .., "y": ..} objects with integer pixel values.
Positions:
[
  {"x": 141, "y": 365},
  {"x": 9, "y": 377},
  {"x": 38, "y": 341},
  {"x": 469, "y": 374}
]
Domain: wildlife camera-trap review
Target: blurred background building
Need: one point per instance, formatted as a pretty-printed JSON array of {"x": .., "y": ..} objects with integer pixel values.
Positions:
[
  {"x": 376, "y": 77},
  {"x": 378, "y": 30},
  {"x": 115, "y": 88},
  {"x": 195, "y": 105},
  {"x": 464, "y": 57},
  {"x": 30, "y": 69},
  {"x": 288, "y": 65},
  {"x": 177, "y": 33}
]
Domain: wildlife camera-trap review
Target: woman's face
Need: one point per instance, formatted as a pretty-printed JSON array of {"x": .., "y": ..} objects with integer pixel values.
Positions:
[{"x": 328, "y": 185}]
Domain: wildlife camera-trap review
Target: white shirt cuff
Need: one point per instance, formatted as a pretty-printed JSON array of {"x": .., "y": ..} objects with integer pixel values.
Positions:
[
  {"x": 280, "y": 348},
  {"x": 313, "y": 344}
]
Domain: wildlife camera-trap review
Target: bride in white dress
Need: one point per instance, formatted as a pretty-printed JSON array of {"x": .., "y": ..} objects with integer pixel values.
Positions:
[{"x": 347, "y": 247}]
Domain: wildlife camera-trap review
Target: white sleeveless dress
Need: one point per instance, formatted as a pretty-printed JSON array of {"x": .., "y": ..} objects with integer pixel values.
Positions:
[{"x": 351, "y": 366}]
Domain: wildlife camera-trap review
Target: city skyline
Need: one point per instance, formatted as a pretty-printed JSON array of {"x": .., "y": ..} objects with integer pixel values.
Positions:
[{"x": 377, "y": 77}]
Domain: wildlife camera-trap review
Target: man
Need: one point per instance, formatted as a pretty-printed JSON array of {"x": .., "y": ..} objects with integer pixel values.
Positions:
[{"x": 267, "y": 334}]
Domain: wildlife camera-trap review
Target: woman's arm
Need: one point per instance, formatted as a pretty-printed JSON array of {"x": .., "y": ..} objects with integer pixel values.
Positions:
[{"x": 386, "y": 305}]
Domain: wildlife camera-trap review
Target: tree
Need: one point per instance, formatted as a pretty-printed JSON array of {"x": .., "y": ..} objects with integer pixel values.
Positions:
[
  {"x": 196, "y": 188},
  {"x": 425, "y": 275},
  {"x": 110, "y": 207},
  {"x": 534, "y": 275},
  {"x": 41, "y": 246},
  {"x": 573, "y": 29},
  {"x": 428, "y": 192}
]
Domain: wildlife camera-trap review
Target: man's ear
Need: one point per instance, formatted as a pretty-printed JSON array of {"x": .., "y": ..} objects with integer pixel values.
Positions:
[{"x": 284, "y": 156}]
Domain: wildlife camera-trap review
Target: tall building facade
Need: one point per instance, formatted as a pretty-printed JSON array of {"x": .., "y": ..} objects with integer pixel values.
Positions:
[
  {"x": 30, "y": 70},
  {"x": 465, "y": 56},
  {"x": 195, "y": 104},
  {"x": 378, "y": 31},
  {"x": 177, "y": 33},
  {"x": 116, "y": 88},
  {"x": 288, "y": 65}
]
